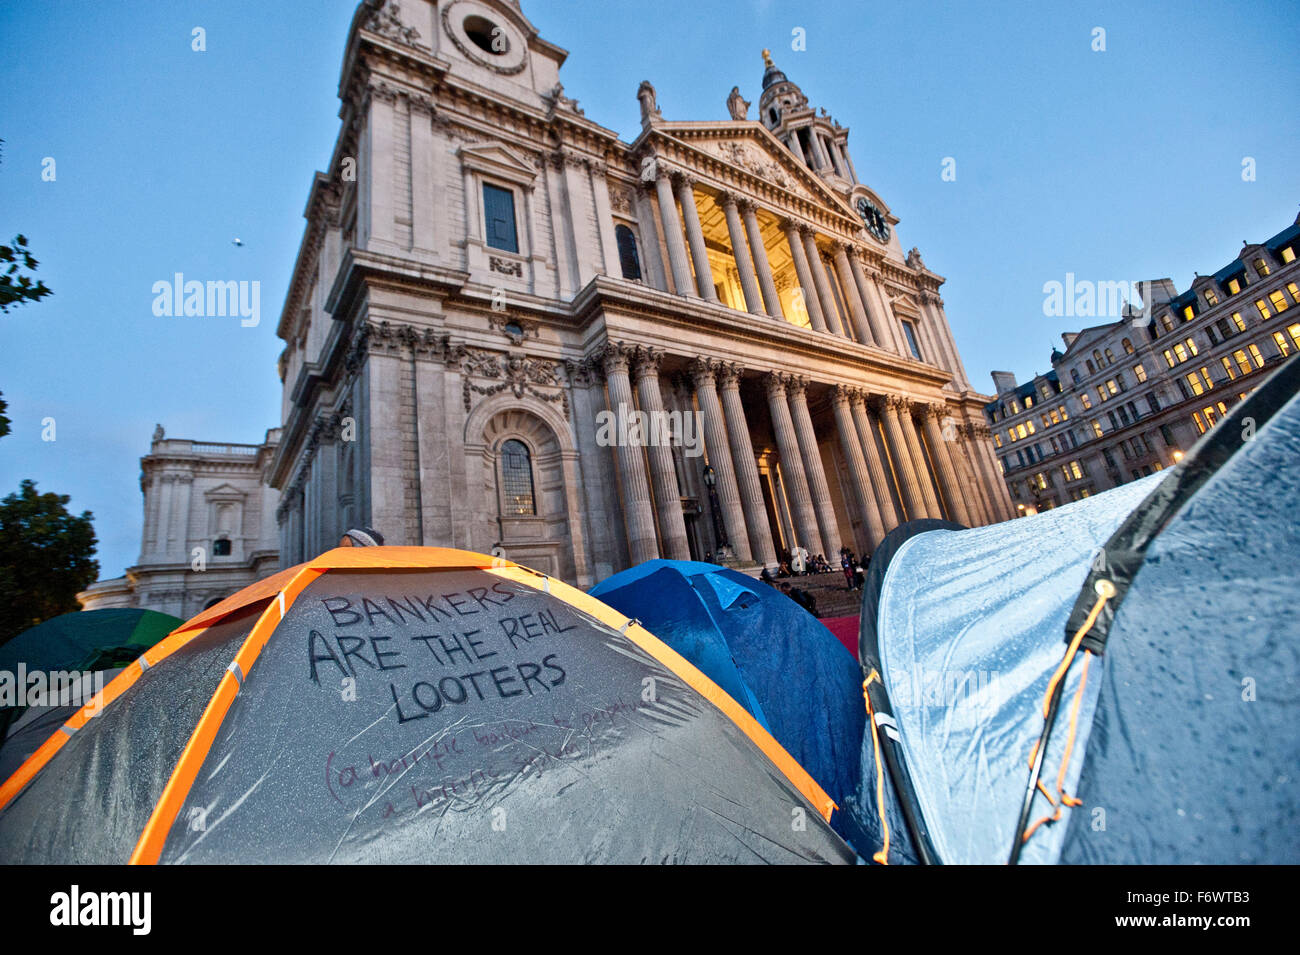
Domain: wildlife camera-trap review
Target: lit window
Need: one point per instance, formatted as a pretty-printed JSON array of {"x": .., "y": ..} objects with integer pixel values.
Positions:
[
  {"x": 1262, "y": 308},
  {"x": 1238, "y": 321},
  {"x": 1085, "y": 400},
  {"x": 1030, "y": 426},
  {"x": 1096, "y": 427},
  {"x": 1227, "y": 366},
  {"x": 1295, "y": 292},
  {"x": 1191, "y": 345},
  {"x": 1181, "y": 352},
  {"x": 1210, "y": 298},
  {"x": 1262, "y": 268},
  {"x": 1140, "y": 372},
  {"x": 1288, "y": 255},
  {"x": 1128, "y": 347},
  {"x": 1200, "y": 425},
  {"x": 1167, "y": 322},
  {"x": 1278, "y": 300},
  {"x": 1294, "y": 331},
  {"x": 1029, "y": 401},
  {"x": 1015, "y": 407},
  {"x": 1256, "y": 356},
  {"x": 1234, "y": 286},
  {"x": 1169, "y": 358},
  {"x": 1101, "y": 393},
  {"x": 1282, "y": 345},
  {"x": 1047, "y": 422},
  {"x": 1189, "y": 313},
  {"x": 1210, "y": 418},
  {"x": 1110, "y": 357},
  {"x": 1064, "y": 415},
  {"x": 1195, "y": 384},
  {"x": 1209, "y": 382},
  {"x": 997, "y": 438},
  {"x": 1111, "y": 386}
]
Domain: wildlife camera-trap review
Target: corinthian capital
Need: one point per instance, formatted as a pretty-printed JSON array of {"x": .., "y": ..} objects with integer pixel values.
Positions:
[
  {"x": 796, "y": 386},
  {"x": 614, "y": 357},
  {"x": 646, "y": 361},
  {"x": 775, "y": 382},
  {"x": 704, "y": 371},
  {"x": 729, "y": 374}
]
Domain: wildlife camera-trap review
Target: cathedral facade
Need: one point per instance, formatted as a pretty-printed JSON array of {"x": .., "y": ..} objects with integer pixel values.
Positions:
[{"x": 491, "y": 286}]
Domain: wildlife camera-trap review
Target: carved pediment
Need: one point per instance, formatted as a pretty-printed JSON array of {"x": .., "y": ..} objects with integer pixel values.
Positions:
[
  {"x": 498, "y": 159},
  {"x": 751, "y": 149}
]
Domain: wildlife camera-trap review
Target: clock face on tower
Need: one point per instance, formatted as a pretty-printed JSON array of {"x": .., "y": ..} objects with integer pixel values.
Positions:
[{"x": 873, "y": 218}]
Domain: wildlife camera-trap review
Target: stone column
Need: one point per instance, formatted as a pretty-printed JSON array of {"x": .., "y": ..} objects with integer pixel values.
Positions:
[
  {"x": 978, "y": 502},
  {"x": 937, "y": 435},
  {"x": 893, "y": 334},
  {"x": 695, "y": 238},
  {"x": 425, "y": 181},
  {"x": 792, "y": 466},
  {"x": 663, "y": 474},
  {"x": 759, "y": 251},
  {"x": 747, "y": 480},
  {"x": 165, "y": 510},
  {"x": 882, "y": 484},
  {"x": 740, "y": 252},
  {"x": 829, "y": 309},
  {"x": 797, "y": 148},
  {"x": 804, "y": 274},
  {"x": 849, "y": 280},
  {"x": 877, "y": 333},
  {"x": 919, "y": 462},
  {"x": 184, "y": 486},
  {"x": 377, "y": 176},
  {"x": 638, "y": 513},
  {"x": 944, "y": 330},
  {"x": 982, "y": 451},
  {"x": 703, "y": 374},
  {"x": 673, "y": 236},
  {"x": 645, "y": 217},
  {"x": 891, "y": 409},
  {"x": 850, "y": 444},
  {"x": 832, "y": 536}
]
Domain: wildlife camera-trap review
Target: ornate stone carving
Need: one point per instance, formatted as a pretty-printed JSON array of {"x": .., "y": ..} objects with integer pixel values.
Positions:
[
  {"x": 505, "y": 266},
  {"x": 621, "y": 199},
  {"x": 518, "y": 374},
  {"x": 796, "y": 385},
  {"x": 704, "y": 371},
  {"x": 729, "y": 374},
  {"x": 753, "y": 161},
  {"x": 614, "y": 357},
  {"x": 775, "y": 382},
  {"x": 386, "y": 20},
  {"x": 475, "y": 55},
  {"x": 914, "y": 260},
  {"x": 556, "y": 99},
  {"x": 646, "y": 362}
]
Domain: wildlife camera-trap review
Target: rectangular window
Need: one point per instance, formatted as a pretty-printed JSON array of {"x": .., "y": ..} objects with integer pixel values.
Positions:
[
  {"x": 1227, "y": 367},
  {"x": 1234, "y": 286},
  {"x": 1295, "y": 292},
  {"x": 1210, "y": 298},
  {"x": 1262, "y": 268},
  {"x": 1085, "y": 400},
  {"x": 1288, "y": 255},
  {"x": 1294, "y": 331},
  {"x": 1189, "y": 313},
  {"x": 1224, "y": 328},
  {"x": 1181, "y": 352},
  {"x": 1195, "y": 384},
  {"x": 1205, "y": 375},
  {"x": 1243, "y": 363},
  {"x": 1064, "y": 415},
  {"x": 1096, "y": 427},
  {"x": 1278, "y": 300},
  {"x": 1167, "y": 435},
  {"x": 1256, "y": 356},
  {"x": 910, "y": 333},
  {"x": 1239, "y": 321},
  {"x": 499, "y": 216},
  {"x": 1282, "y": 344},
  {"x": 1153, "y": 402},
  {"x": 1262, "y": 309},
  {"x": 1200, "y": 425},
  {"x": 1140, "y": 373},
  {"x": 1169, "y": 358},
  {"x": 1191, "y": 345}
]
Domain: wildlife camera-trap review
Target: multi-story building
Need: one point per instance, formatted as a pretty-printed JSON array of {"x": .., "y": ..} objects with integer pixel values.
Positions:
[
  {"x": 1128, "y": 398},
  {"x": 487, "y": 275},
  {"x": 208, "y": 531}
]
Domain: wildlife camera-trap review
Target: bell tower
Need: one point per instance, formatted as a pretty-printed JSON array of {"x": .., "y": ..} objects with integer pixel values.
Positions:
[{"x": 816, "y": 139}]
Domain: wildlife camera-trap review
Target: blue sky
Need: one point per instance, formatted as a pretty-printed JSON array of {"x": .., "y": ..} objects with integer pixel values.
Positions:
[{"x": 1123, "y": 164}]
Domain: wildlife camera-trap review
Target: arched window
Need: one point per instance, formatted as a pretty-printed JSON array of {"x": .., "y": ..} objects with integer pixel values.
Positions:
[
  {"x": 1096, "y": 357},
  {"x": 627, "y": 257},
  {"x": 1110, "y": 356},
  {"x": 1128, "y": 346},
  {"x": 517, "y": 479}
]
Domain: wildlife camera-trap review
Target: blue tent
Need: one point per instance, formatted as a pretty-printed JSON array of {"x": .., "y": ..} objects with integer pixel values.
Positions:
[
  {"x": 767, "y": 652},
  {"x": 1109, "y": 682}
]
